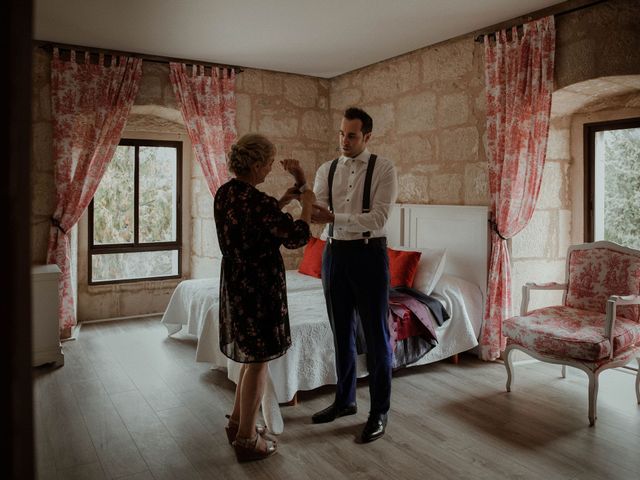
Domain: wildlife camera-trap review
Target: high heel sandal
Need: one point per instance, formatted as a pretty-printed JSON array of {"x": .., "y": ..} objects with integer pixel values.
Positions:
[
  {"x": 232, "y": 430},
  {"x": 256, "y": 448}
]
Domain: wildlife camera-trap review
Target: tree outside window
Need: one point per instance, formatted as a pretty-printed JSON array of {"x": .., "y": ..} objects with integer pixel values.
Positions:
[
  {"x": 134, "y": 218},
  {"x": 613, "y": 181}
]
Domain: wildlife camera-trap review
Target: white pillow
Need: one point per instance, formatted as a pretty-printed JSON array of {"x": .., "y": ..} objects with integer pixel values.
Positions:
[{"x": 430, "y": 267}]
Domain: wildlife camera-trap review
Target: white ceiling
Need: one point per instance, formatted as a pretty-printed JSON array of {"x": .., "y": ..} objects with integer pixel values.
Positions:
[{"x": 321, "y": 38}]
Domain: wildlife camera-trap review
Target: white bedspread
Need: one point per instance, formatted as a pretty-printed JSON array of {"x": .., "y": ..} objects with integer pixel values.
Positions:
[{"x": 309, "y": 363}]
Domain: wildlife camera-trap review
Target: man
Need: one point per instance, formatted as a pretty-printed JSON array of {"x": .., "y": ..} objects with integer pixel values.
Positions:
[{"x": 355, "y": 266}]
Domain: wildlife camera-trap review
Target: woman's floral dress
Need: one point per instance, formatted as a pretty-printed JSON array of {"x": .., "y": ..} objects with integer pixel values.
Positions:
[{"x": 254, "y": 318}]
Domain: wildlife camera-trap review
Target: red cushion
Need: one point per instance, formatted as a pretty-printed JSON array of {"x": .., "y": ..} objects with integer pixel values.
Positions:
[
  {"x": 311, "y": 263},
  {"x": 403, "y": 266}
]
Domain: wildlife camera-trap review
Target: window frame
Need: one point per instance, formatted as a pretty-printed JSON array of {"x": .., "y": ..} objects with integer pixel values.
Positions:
[
  {"x": 136, "y": 246},
  {"x": 589, "y": 137}
]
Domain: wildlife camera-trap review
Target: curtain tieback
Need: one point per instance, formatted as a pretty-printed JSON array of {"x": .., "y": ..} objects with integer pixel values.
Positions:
[
  {"x": 56, "y": 223},
  {"x": 494, "y": 226}
]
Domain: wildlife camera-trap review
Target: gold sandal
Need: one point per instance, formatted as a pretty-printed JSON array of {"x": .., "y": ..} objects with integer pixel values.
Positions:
[
  {"x": 256, "y": 448},
  {"x": 232, "y": 430}
]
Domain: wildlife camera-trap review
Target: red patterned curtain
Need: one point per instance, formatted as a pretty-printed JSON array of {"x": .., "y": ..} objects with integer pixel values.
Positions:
[
  {"x": 519, "y": 84},
  {"x": 208, "y": 106},
  {"x": 90, "y": 104}
]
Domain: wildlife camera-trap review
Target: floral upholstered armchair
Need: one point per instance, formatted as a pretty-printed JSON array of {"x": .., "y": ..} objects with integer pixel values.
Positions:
[{"x": 598, "y": 324}]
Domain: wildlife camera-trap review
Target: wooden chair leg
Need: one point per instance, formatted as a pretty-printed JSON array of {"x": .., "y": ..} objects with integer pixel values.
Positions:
[
  {"x": 509, "y": 366},
  {"x": 454, "y": 359},
  {"x": 593, "y": 397}
]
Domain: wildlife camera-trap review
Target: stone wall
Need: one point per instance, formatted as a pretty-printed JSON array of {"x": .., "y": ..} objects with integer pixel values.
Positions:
[
  {"x": 428, "y": 108},
  {"x": 291, "y": 109}
]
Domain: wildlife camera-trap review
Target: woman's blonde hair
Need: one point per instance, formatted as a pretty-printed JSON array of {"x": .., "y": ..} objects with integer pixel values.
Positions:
[{"x": 249, "y": 149}]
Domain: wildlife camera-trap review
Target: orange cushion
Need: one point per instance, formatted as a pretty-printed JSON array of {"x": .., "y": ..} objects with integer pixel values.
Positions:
[
  {"x": 311, "y": 263},
  {"x": 402, "y": 267}
]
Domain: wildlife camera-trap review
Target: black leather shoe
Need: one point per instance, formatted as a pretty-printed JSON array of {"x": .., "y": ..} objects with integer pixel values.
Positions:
[
  {"x": 332, "y": 412},
  {"x": 374, "y": 428}
]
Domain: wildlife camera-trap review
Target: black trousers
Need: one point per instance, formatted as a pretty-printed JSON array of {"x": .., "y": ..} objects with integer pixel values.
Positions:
[{"x": 355, "y": 277}]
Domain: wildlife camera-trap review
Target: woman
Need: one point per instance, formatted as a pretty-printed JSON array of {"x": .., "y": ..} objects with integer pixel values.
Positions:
[{"x": 254, "y": 322}]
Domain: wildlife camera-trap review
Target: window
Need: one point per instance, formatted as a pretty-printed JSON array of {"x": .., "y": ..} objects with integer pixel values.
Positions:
[
  {"x": 135, "y": 215},
  {"x": 612, "y": 181}
]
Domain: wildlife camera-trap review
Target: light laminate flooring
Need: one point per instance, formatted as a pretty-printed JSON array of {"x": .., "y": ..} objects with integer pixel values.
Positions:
[{"x": 131, "y": 403}]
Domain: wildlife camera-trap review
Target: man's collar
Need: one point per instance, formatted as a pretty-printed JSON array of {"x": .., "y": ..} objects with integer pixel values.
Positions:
[{"x": 363, "y": 157}]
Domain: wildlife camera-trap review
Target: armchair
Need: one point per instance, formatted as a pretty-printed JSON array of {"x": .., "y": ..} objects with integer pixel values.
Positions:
[{"x": 597, "y": 327}]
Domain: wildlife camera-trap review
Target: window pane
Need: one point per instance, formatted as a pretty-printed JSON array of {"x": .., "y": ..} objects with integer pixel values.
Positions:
[
  {"x": 128, "y": 266},
  {"x": 618, "y": 192},
  {"x": 113, "y": 202},
  {"x": 158, "y": 194}
]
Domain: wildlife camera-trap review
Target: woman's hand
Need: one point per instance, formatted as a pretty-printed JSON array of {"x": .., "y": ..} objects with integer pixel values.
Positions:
[
  {"x": 292, "y": 166},
  {"x": 292, "y": 193}
]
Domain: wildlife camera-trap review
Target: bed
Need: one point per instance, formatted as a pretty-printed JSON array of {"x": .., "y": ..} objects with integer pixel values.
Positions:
[{"x": 460, "y": 231}]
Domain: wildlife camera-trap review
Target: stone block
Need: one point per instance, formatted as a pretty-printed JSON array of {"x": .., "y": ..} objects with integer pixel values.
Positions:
[
  {"x": 458, "y": 145},
  {"x": 210, "y": 246},
  {"x": 383, "y": 118},
  {"x": 559, "y": 144},
  {"x": 447, "y": 61},
  {"x": 552, "y": 189},
  {"x": 150, "y": 91},
  {"x": 249, "y": 81},
  {"x": 416, "y": 113},
  {"x": 476, "y": 186},
  {"x": 278, "y": 123},
  {"x": 446, "y": 189},
  {"x": 536, "y": 239},
  {"x": 341, "y": 99},
  {"x": 314, "y": 125},
  {"x": 415, "y": 151},
  {"x": 564, "y": 232},
  {"x": 272, "y": 83},
  {"x": 413, "y": 188},
  {"x": 301, "y": 91},
  {"x": 42, "y": 145},
  {"x": 205, "y": 205},
  {"x": 196, "y": 237},
  {"x": 243, "y": 113},
  {"x": 453, "y": 109},
  {"x": 387, "y": 79},
  {"x": 43, "y": 194}
]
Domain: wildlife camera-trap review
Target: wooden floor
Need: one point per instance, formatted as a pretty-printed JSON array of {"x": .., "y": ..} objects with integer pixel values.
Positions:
[{"x": 131, "y": 403}]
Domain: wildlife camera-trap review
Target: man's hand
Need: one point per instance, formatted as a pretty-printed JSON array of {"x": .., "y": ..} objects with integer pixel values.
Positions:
[
  {"x": 292, "y": 166},
  {"x": 321, "y": 214}
]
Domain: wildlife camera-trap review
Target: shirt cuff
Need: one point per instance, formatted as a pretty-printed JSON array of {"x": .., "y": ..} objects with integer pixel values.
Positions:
[
  {"x": 303, "y": 188},
  {"x": 340, "y": 221}
]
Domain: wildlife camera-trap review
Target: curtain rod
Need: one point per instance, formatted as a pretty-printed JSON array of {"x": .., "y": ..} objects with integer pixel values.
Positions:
[
  {"x": 49, "y": 46},
  {"x": 480, "y": 38}
]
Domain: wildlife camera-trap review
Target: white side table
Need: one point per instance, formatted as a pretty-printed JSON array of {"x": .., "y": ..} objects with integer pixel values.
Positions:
[{"x": 45, "y": 337}]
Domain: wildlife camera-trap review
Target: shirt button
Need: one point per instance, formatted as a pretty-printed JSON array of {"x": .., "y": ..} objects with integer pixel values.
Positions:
[{"x": 347, "y": 199}]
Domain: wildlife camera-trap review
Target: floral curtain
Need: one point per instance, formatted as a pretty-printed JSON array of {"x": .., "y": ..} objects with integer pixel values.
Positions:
[
  {"x": 208, "y": 106},
  {"x": 90, "y": 104},
  {"x": 519, "y": 84}
]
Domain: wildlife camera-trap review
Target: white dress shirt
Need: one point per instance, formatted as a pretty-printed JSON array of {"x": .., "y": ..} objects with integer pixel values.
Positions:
[{"x": 348, "y": 187}]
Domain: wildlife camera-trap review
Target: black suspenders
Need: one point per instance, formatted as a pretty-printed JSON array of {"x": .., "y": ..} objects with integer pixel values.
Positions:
[{"x": 366, "y": 195}]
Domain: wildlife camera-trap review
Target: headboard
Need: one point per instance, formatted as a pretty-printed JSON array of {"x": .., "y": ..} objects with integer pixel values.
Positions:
[{"x": 461, "y": 230}]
